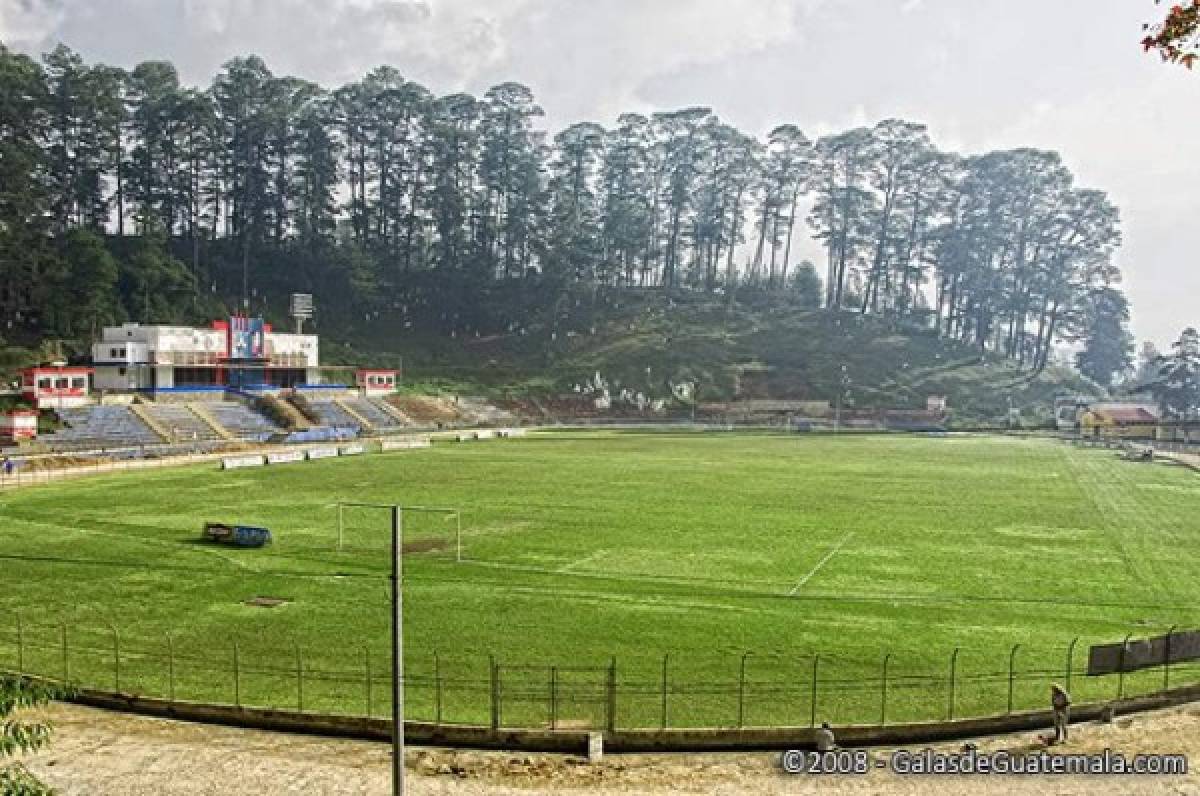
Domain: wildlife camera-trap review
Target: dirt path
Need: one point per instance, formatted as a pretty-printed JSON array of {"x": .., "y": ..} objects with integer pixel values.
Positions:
[{"x": 99, "y": 753}]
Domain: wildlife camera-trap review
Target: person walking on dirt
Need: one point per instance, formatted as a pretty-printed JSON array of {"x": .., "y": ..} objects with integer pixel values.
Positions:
[{"x": 1060, "y": 703}]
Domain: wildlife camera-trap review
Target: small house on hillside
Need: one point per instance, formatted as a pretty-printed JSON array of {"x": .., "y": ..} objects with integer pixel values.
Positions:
[{"x": 1124, "y": 422}]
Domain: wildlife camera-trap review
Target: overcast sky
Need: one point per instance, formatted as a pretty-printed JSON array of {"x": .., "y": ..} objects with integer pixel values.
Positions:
[{"x": 983, "y": 74}]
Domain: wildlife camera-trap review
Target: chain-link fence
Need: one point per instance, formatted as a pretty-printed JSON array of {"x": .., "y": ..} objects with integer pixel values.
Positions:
[{"x": 673, "y": 690}]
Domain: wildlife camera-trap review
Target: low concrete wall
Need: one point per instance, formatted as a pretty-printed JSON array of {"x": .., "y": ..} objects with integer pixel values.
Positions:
[
  {"x": 576, "y": 741},
  {"x": 235, "y": 462},
  {"x": 403, "y": 443}
]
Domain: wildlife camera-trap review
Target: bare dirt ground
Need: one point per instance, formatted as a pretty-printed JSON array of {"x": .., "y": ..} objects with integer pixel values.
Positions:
[{"x": 99, "y": 753}]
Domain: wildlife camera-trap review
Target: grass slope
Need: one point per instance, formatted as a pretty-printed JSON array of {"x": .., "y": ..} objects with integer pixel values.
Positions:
[
  {"x": 644, "y": 344},
  {"x": 585, "y": 548}
]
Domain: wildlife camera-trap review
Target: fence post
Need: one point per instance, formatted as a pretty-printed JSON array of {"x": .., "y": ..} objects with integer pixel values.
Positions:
[
  {"x": 1121, "y": 668},
  {"x": 1012, "y": 657},
  {"x": 1070, "y": 661},
  {"x": 494, "y": 671},
  {"x": 170, "y": 666},
  {"x": 66, "y": 655},
  {"x": 812, "y": 715},
  {"x": 742, "y": 692},
  {"x": 458, "y": 537},
  {"x": 666, "y": 658},
  {"x": 953, "y": 674},
  {"x": 20, "y": 644},
  {"x": 116, "y": 658},
  {"x": 1167, "y": 659},
  {"x": 299, "y": 677},
  {"x": 367, "y": 671},
  {"x": 437, "y": 687},
  {"x": 237, "y": 676},
  {"x": 339, "y": 526},
  {"x": 883, "y": 691},
  {"x": 554, "y": 697},
  {"x": 612, "y": 695}
]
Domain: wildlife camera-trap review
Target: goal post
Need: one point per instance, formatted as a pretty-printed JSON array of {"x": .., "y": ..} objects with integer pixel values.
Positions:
[{"x": 427, "y": 528}]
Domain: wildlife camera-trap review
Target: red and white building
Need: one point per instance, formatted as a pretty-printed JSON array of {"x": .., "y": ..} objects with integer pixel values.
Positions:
[
  {"x": 18, "y": 424},
  {"x": 55, "y": 386},
  {"x": 376, "y": 382},
  {"x": 238, "y": 352}
]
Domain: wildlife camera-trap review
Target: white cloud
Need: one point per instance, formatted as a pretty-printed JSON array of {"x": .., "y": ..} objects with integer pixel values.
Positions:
[{"x": 26, "y": 23}]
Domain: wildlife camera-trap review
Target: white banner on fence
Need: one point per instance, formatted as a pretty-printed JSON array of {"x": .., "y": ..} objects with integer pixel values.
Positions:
[
  {"x": 353, "y": 449},
  {"x": 283, "y": 457},
  {"x": 484, "y": 433},
  {"x": 322, "y": 453},
  {"x": 403, "y": 443},
  {"x": 234, "y": 462}
]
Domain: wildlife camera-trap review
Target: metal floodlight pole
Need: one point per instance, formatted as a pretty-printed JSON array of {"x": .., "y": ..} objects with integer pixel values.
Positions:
[{"x": 397, "y": 655}]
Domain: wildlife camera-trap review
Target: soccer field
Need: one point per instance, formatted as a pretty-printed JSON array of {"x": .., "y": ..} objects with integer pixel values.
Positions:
[{"x": 673, "y": 554}]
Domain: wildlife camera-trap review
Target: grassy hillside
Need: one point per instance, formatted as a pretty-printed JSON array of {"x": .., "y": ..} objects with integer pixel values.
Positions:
[
  {"x": 782, "y": 352},
  {"x": 647, "y": 343}
]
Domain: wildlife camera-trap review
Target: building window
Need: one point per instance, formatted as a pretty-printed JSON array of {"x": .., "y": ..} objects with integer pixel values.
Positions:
[
  {"x": 112, "y": 352},
  {"x": 79, "y": 382},
  {"x": 44, "y": 384},
  {"x": 121, "y": 371},
  {"x": 62, "y": 384}
]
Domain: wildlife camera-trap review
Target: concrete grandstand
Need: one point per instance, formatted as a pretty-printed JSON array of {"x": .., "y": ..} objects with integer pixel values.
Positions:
[{"x": 232, "y": 382}]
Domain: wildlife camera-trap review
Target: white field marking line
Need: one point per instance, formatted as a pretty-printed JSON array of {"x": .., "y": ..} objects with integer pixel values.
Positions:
[
  {"x": 632, "y": 577},
  {"x": 821, "y": 563},
  {"x": 581, "y": 561},
  {"x": 950, "y": 599}
]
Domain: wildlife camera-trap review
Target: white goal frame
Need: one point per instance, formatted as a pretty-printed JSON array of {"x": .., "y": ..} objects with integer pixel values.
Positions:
[{"x": 444, "y": 510}]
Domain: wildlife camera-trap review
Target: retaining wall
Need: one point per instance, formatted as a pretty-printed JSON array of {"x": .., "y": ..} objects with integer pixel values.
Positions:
[{"x": 575, "y": 741}]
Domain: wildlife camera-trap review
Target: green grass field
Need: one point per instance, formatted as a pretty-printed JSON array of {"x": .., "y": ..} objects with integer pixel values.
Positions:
[{"x": 581, "y": 549}]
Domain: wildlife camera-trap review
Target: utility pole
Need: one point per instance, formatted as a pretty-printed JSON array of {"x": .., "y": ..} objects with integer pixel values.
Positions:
[{"x": 397, "y": 653}]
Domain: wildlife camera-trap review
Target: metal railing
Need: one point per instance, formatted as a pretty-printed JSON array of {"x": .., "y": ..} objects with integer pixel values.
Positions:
[{"x": 674, "y": 690}]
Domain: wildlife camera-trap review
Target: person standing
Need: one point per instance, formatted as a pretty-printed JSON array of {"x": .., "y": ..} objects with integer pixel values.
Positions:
[
  {"x": 824, "y": 738},
  {"x": 1060, "y": 703}
]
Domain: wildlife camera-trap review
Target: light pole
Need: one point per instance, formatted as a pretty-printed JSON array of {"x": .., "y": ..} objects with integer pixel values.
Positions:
[{"x": 397, "y": 653}]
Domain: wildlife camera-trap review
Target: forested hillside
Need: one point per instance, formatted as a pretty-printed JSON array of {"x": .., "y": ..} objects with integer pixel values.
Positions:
[{"x": 127, "y": 195}]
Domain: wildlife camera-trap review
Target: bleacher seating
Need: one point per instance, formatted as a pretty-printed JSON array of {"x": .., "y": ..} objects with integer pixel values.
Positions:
[
  {"x": 101, "y": 427},
  {"x": 331, "y": 414},
  {"x": 180, "y": 422},
  {"x": 241, "y": 420},
  {"x": 375, "y": 415},
  {"x": 481, "y": 412}
]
